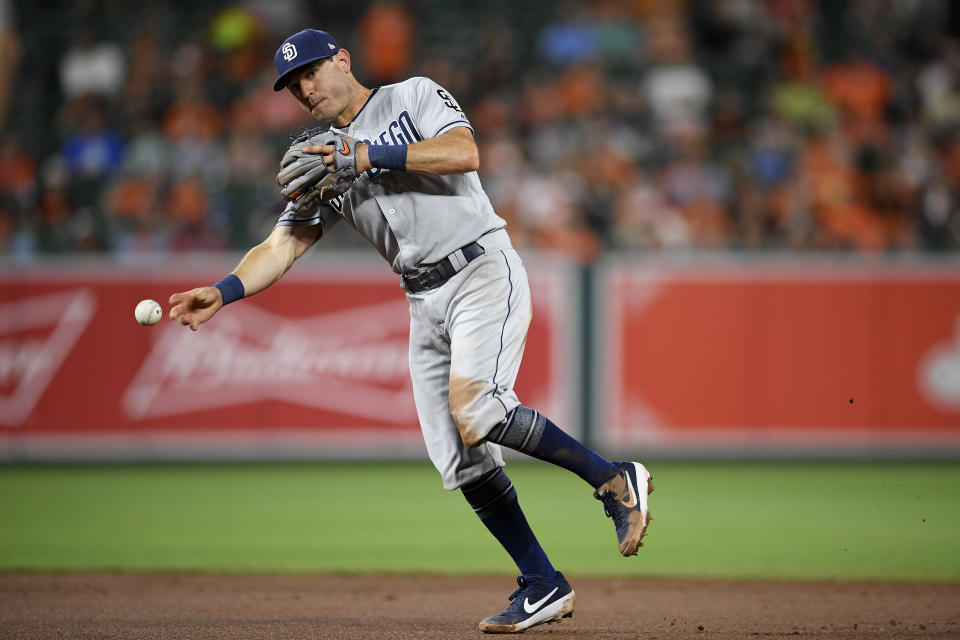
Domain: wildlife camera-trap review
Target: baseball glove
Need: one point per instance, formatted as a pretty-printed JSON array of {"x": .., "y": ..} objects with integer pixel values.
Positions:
[{"x": 305, "y": 180}]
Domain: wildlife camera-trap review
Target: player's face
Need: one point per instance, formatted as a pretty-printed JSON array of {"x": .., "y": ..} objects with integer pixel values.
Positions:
[{"x": 321, "y": 89}]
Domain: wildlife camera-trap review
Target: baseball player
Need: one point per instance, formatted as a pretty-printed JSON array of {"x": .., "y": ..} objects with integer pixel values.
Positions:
[{"x": 399, "y": 163}]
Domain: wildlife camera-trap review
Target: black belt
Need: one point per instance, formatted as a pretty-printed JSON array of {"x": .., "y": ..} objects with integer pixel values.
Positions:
[{"x": 437, "y": 274}]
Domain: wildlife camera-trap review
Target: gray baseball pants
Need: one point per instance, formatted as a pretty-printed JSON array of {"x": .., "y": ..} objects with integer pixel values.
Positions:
[{"x": 466, "y": 344}]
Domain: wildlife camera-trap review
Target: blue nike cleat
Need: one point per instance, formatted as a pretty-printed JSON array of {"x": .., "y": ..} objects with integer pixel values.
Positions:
[
  {"x": 537, "y": 601},
  {"x": 624, "y": 499}
]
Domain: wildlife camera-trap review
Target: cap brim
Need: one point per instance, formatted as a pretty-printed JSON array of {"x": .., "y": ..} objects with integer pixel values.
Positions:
[{"x": 282, "y": 81}]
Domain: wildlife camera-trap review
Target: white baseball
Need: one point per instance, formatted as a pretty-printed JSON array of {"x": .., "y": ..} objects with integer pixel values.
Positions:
[{"x": 148, "y": 312}]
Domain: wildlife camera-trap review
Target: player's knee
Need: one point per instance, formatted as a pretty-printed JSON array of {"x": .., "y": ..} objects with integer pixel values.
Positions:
[
  {"x": 466, "y": 402},
  {"x": 470, "y": 433},
  {"x": 520, "y": 430}
]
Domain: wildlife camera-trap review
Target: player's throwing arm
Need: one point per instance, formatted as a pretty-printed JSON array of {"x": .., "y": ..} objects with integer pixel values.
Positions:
[{"x": 261, "y": 267}]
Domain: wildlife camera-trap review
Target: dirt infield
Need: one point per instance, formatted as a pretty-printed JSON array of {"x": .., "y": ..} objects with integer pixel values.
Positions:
[{"x": 149, "y": 606}]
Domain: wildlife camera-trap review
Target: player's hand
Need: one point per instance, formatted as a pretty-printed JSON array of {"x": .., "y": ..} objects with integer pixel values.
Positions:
[
  {"x": 193, "y": 308},
  {"x": 328, "y": 151},
  {"x": 325, "y": 150},
  {"x": 318, "y": 166}
]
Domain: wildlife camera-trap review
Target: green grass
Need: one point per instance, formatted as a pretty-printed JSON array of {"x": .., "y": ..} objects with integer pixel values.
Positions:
[{"x": 776, "y": 520}]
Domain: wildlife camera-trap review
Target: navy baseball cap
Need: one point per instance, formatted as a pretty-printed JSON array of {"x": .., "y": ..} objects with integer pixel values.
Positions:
[{"x": 299, "y": 50}]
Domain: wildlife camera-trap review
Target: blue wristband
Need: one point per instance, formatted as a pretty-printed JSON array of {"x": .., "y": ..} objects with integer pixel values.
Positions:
[
  {"x": 231, "y": 289},
  {"x": 388, "y": 156}
]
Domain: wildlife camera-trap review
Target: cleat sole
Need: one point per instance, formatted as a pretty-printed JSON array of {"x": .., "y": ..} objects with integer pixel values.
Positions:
[{"x": 634, "y": 542}]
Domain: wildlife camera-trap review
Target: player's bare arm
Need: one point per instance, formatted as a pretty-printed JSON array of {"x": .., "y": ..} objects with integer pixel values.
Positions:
[
  {"x": 452, "y": 152},
  {"x": 268, "y": 261},
  {"x": 260, "y": 267}
]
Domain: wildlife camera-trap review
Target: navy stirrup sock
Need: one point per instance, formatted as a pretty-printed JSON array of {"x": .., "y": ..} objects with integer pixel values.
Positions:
[
  {"x": 530, "y": 432},
  {"x": 494, "y": 500}
]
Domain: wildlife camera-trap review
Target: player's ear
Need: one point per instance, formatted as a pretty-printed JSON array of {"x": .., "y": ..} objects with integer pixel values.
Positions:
[{"x": 342, "y": 59}]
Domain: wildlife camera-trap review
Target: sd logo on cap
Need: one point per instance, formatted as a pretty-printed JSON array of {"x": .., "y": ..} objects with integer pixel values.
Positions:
[{"x": 299, "y": 50}]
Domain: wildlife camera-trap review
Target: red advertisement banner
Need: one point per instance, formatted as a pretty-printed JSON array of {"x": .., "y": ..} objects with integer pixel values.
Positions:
[
  {"x": 765, "y": 355},
  {"x": 315, "y": 365}
]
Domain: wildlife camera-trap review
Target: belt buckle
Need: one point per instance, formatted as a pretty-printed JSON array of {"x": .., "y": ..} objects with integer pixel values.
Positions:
[
  {"x": 431, "y": 278},
  {"x": 423, "y": 281}
]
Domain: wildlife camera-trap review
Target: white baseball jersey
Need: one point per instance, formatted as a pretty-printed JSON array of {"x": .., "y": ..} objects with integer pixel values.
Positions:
[
  {"x": 467, "y": 336},
  {"x": 413, "y": 219}
]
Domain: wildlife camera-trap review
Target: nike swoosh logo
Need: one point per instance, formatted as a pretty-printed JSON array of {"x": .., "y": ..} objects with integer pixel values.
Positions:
[
  {"x": 346, "y": 149},
  {"x": 633, "y": 494},
  {"x": 530, "y": 608}
]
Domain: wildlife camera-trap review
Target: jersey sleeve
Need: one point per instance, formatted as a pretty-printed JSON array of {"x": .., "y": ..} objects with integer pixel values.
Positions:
[
  {"x": 434, "y": 109},
  {"x": 324, "y": 215}
]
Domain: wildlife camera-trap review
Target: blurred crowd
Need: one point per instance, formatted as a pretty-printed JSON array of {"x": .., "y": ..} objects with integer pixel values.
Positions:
[{"x": 612, "y": 124}]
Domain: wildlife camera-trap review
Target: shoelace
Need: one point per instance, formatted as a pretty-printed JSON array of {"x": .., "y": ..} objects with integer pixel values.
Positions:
[
  {"x": 522, "y": 584},
  {"x": 611, "y": 506},
  {"x": 611, "y": 509}
]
